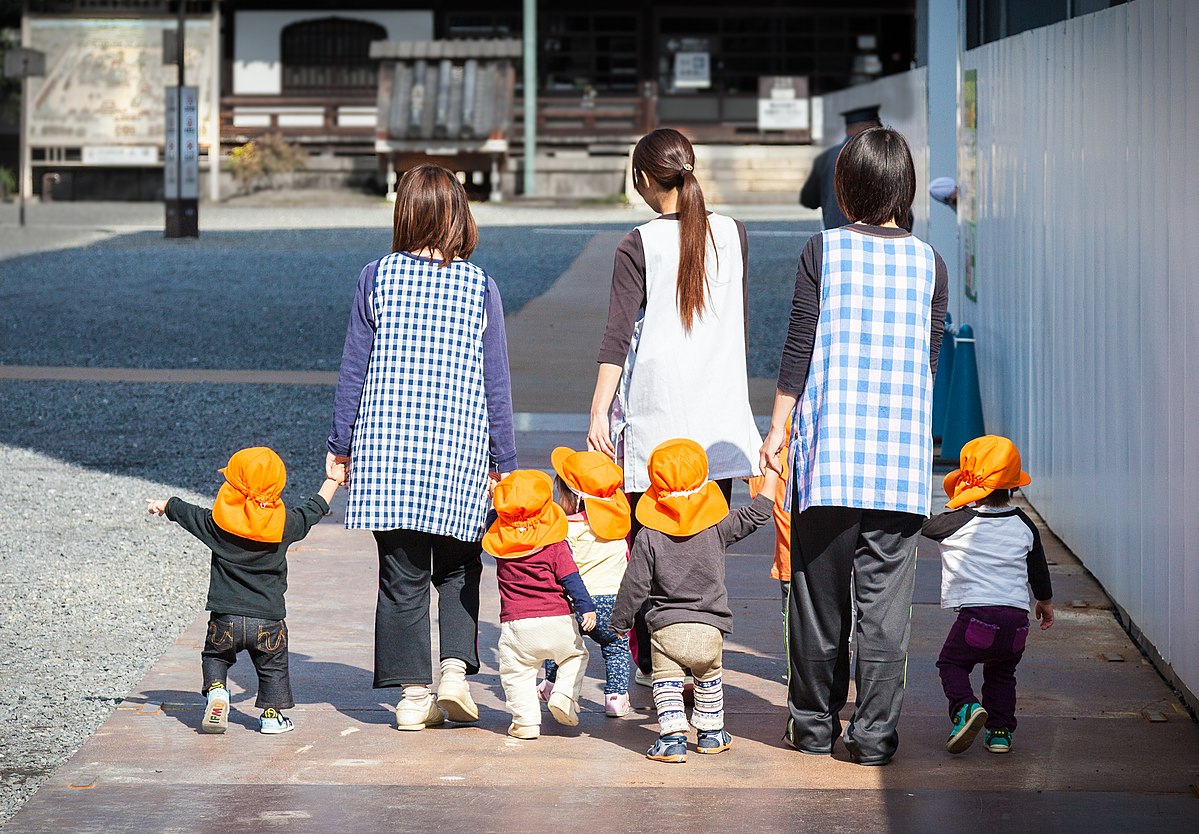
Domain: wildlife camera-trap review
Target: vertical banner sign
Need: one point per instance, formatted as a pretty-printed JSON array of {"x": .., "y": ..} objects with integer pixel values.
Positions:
[
  {"x": 968, "y": 181},
  {"x": 189, "y": 188},
  {"x": 170, "y": 152}
]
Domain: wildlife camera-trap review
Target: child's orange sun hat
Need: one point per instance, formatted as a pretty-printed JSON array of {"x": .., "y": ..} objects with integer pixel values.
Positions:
[
  {"x": 988, "y": 463},
  {"x": 248, "y": 503},
  {"x": 528, "y": 518},
  {"x": 680, "y": 501},
  {"x": 597, "y": 480}
]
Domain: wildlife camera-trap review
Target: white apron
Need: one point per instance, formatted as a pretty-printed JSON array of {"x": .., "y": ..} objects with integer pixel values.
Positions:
[{"x": 680, "y": 384}]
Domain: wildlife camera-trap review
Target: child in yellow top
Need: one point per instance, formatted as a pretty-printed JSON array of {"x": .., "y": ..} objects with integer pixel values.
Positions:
[{"x": 588, "y": 490}]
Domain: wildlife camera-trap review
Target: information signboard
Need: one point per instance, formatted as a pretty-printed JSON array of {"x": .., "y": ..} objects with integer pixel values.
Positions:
[
  {"x": 783, "y": 103},
  {"x": 189, "y": 147},
  {"x": 170, "y": 150}
]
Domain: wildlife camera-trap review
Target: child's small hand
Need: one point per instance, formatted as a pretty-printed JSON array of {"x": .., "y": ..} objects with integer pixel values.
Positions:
[
  {"x": 156, "y": 507},
  {"x": 1044, "y": 612},
  {"x": 588, "y": 621}
]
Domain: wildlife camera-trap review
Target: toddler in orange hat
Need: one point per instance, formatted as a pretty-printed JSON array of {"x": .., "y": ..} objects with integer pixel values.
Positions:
[
  {"x": 539, "y": 585},
  {"x": 588, "y": 489},
  {"x": 248, "y": 531},
  {"x": 677, "y": 564},
  {"x": 990, "y": 553}
]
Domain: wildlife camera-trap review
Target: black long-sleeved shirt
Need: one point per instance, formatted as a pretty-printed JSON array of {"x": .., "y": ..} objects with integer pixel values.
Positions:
[
  {"x": 805, "y": 310},
  {"x": 247, "y": 578}
]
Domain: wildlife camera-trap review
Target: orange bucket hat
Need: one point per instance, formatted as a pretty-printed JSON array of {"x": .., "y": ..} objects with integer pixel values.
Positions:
[
  {"x": 528, "y": 517},
  {"x": 680, "y": 501},
  {"x": 988, "y": 463},
  {"x": 248, "y": 503},
  {"x": 597, "y": 480}
]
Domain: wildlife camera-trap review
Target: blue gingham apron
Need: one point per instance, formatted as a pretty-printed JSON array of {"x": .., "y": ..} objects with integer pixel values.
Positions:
[
  {"x": 420, "y": 447},
  {"x": 861, "y": 433}
]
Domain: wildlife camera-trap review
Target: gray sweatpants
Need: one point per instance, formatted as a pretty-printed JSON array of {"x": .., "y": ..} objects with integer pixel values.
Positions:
[{"x": 877, "y": 548}]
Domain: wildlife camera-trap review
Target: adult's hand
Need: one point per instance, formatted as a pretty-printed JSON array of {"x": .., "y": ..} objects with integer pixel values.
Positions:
[
  {"x": 333, "y": 471},
  {"x": 599, "y": 436}
]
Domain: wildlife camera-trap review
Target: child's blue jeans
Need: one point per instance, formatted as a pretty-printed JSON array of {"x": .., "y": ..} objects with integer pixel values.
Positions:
[{"x": 614, "y": 648}]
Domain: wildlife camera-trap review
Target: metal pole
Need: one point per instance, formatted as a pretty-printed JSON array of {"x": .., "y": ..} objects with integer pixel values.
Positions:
[
  {"x": 179, "y": 107},
  {"x": 23, "y": 142},
  {"x": 530, "y": 64}
]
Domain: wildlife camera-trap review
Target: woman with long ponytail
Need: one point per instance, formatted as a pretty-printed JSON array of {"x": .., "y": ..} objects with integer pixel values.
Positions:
[{"x": 672, "y": 362}]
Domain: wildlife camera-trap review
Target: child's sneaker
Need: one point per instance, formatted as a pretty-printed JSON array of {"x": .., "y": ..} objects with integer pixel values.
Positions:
[
  {"x": 713, "y": 741},
  {"x": 617, "y": 705},
  {"x": 544, "y": 689},
  {"x": 564, "y": 710},
  {"x": 524, "y": 731},
  {"x": 216, "y": 713},
  {"x": 643, "y": 678},
  {"x": 671, "y": 749},
  {"x": 274, "y": 722},
  {"x": 999, "y": 741},
  {"x": 416, "y": 714},
  {"x": 967, "y": 721}
]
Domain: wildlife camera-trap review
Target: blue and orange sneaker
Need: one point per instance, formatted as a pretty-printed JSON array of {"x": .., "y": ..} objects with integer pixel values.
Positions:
[
  {"x": 216, "y": 711},
  {"x": 999, "y": 741},
  {"x": 713, "y": 741},
  {"x": 672, "y": 748},
  {"x": 967, "y": 721}
]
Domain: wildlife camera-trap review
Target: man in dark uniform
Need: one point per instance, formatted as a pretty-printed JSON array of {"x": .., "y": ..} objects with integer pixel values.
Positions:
[{"x": 818, "y": 191}]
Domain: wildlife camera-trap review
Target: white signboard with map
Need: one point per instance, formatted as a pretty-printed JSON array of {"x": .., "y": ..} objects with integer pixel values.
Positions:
[{"x": 105, "y": 78}]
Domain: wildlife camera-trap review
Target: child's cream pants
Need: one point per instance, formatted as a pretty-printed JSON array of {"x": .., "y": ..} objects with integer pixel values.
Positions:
[{"x": 524, "y": 646}]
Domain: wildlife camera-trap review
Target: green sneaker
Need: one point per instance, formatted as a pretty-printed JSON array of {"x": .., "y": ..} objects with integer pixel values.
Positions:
[
  {"x": 999, "y": 741},
  {"x": 967, "y": 721}
]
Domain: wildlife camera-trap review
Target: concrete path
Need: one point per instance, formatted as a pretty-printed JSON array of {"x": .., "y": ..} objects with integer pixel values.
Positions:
[{"x": 1102, "y": 744}]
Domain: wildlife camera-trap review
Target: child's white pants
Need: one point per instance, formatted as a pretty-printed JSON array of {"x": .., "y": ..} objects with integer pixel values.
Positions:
[{"x": 524, "y": 646}]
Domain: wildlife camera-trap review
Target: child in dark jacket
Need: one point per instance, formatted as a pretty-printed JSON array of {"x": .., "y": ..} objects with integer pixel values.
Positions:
[
  {"x": 248, "y": 530},
  {"x": 677, "y": 564}
]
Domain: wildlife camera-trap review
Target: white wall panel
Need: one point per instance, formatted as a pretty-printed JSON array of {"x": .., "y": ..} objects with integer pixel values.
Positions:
[{"x": 1088, "y": 295}]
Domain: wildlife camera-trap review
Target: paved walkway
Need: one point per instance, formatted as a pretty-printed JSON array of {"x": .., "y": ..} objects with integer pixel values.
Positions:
[{"x": 1102, "y": 743}]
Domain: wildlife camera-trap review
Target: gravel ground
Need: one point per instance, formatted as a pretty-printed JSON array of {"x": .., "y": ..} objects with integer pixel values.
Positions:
[
  {"x": 94, "y": 593},
  {"x": 135, "y": 300}
]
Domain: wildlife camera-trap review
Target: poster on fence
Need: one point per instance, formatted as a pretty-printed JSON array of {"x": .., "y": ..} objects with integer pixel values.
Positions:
[{"x": 968, "y": 181}]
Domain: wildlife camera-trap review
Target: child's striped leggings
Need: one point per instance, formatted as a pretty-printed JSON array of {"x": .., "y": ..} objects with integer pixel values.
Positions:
[{"x": 674, "y": 649}]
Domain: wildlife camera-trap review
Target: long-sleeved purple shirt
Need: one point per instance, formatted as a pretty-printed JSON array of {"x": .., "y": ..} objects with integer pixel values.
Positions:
[{"x": 355, "y": 356}]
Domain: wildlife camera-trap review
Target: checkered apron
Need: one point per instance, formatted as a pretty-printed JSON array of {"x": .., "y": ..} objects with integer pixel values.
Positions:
[
  {"x": 420, "y": 447},
  {"x": 861, "y": 434}
]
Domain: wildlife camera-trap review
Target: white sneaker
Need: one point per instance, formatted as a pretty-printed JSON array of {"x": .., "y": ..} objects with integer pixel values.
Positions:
[
  {"x": 564, "y": 710},
  {"x": 617, "y": 705},
  {"x": 216, "y": 713},
  {"x": 453, "y": 696},
  {"x": 273, "y": 722},
  {"x": 544, "y": 689},
  {"x": 643, "y": 679},
  {"x": 417, "y": 714},
  {"x": 524, "y": 731}
]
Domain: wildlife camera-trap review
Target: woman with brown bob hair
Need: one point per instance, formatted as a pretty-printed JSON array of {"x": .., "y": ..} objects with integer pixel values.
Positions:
[
  {"x": 421, "y": 418},
  {"x": 856, "y": 380},
  {"x": 672, "y": 361}
]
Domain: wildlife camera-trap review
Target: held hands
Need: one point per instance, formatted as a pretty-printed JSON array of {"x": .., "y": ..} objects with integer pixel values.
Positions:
[
  {"x": 1044, "y": 612},
  {"x": 156, "y": 507},
  {"x": 588, "y": 621},
  {"x": 337, "y": 468},
  {"x": 769, "y": 457}
]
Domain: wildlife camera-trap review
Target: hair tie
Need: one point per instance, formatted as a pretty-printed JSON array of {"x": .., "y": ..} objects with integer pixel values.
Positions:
[{"x": 688, "y": 167}]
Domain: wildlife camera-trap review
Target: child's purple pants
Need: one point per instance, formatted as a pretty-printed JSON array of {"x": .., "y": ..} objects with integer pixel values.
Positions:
[{"x": 993, "y": 635}]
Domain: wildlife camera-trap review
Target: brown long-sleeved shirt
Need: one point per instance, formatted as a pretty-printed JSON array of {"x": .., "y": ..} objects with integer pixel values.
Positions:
[{"x": 683, "y": 576}]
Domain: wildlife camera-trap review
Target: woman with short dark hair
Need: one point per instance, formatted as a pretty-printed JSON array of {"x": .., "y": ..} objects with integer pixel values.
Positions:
[
  {"x": 857, "y": 376},
  {"x": 422, "y": 414}
]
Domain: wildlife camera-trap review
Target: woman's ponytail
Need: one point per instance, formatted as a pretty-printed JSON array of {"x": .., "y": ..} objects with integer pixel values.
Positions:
[{"x": 666, "y": 157}]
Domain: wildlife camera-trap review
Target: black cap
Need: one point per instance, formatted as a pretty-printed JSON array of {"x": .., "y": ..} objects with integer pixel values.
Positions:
[{"x": 861, "y": 114}]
